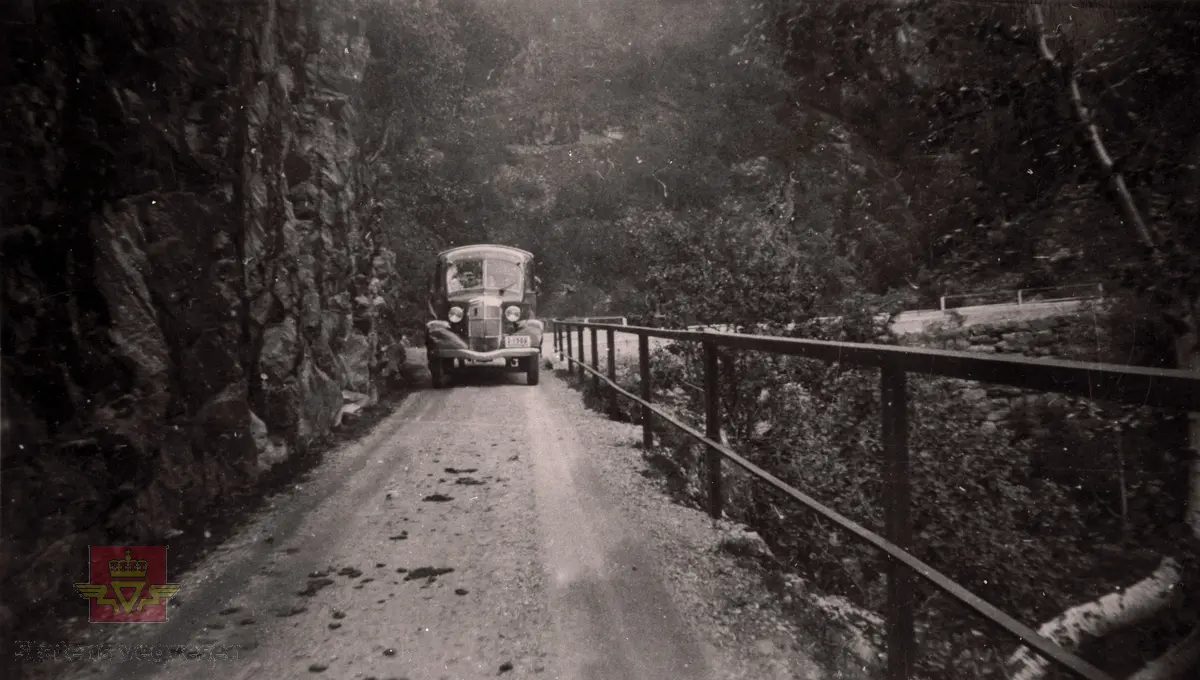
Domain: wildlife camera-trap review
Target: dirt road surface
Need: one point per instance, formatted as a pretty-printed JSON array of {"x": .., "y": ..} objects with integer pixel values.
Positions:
[{"x": 479, "y": 531}]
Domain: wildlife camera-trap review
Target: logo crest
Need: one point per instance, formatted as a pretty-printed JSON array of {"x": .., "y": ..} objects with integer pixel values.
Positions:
[{"x": 127, "y": 584}]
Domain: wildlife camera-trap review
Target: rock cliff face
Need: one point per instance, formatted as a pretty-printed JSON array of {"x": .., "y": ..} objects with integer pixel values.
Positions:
[{"x": 189, "y": 296}]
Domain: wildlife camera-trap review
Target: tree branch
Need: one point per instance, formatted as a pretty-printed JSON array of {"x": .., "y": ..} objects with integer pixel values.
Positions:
[
  {"x": 1130, "y": 213},
  {"x": 387, "y": 136}
]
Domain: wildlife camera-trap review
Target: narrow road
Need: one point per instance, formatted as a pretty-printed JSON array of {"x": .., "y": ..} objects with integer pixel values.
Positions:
[{"x": 470, "y": 535}]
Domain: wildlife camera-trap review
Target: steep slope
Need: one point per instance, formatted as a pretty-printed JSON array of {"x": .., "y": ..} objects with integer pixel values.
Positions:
[{"x": 187, "y": 288}]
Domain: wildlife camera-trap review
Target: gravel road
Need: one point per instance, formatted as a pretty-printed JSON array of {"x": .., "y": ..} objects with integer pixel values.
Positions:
[{"x": 491, "y": 529}]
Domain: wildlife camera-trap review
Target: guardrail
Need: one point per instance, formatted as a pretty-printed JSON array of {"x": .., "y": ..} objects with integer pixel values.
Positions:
[
  {"x": 1124, "y": 384},
  {"x": 1023, "y": 294}
]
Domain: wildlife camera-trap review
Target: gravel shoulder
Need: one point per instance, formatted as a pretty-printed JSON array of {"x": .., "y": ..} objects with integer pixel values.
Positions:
[{"x": 721, "y": 599}]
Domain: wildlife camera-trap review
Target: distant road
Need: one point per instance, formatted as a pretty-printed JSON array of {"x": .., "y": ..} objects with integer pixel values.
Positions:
[
  {"x": 917, "y": 321},
  {"x": 906, "y": 323}
]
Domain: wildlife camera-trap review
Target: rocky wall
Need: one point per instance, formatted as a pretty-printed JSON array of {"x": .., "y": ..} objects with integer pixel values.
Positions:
[
  {"x": 1063, "y": 430},
  {"x": 189, "y": 296},
  {"x": 1082, "y": 336}
]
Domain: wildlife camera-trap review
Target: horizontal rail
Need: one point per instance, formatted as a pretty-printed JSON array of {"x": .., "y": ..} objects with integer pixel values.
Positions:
[
  {"x": 1022, "y": 292},
  {"x": 1166, "y": 388},
  {"x": 989, "y": 611},
  {"x": 602, "y": 319},
  {"x": 664, "y": 333}
]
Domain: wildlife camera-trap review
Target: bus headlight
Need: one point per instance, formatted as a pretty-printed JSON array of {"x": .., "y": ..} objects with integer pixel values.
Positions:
[
  {"x": 455, "y": 314},
  {"x": 512, "y": 314}
]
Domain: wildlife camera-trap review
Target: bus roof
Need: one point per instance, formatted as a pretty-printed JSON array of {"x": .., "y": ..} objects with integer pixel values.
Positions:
[{"x": 484, "y": 249}]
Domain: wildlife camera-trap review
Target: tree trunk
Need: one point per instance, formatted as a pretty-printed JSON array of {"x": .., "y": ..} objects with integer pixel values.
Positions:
[
  {"x": 1176, "y": 663},
  {"x": 1113, "y": 612},
  {"x": 1155, "y": 594},
  {"x": 1187, "y": 357}
]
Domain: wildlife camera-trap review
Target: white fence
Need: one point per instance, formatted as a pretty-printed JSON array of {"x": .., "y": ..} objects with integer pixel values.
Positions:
[{"x": 1084, "y": 291}]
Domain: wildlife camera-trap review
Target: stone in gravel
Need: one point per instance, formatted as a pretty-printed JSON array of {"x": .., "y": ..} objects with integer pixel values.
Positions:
[
  {"x": 442, "y": 480},
  {"x": 338, "y": 614},
  {"x": 461, "y": 471},
  {"x": 319, "y": 574},
  {"x": 246, "y": 622},
  {"x": 230, "y": 610},
  {"x": 317, "y": 668},
  {"x": 367, "y": 580},
  {"x": 461, "y": 591},
  {"x": 401, "y": 570},
  {"x": 291, "y": 612},
  {"x": 291, "y": 551},
  {"x": 314, "y": 586},
  {"x": 430, "y": 573},
  {"x": 403, "y": 535},
  {"x": 437, "y": 498},
  {"x": 505, "y": 667},
  {"x": 216, "y": 625},
  {"x": 742, "y": 542},
  {"x": 468, "y": 481},
  {"x": 350, "y": 571},
  {"x": 389, "y": 652},
  {"x": 514, "y": 457},
  {"x": 334, "y": 625}
]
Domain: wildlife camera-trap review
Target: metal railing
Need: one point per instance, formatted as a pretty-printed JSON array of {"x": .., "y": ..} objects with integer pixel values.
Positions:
[
  {"x": 1123, "y": 384},
  {"x": 1090, "y": 291},
  {"x": 620, "y": 320}
]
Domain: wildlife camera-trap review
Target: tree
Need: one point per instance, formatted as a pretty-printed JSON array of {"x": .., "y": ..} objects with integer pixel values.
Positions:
[{"x": 1166, "y": 272}]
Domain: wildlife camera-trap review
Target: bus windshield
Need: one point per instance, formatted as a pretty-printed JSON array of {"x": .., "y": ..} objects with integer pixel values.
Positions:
[{"x": 484, "y": 275}]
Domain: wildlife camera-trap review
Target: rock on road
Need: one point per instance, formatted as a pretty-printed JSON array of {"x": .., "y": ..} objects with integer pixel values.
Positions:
[{"x": 471, "y": 534}]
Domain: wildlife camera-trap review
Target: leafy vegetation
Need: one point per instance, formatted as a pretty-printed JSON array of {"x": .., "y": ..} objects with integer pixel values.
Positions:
[{"x": 772, "y": 162}]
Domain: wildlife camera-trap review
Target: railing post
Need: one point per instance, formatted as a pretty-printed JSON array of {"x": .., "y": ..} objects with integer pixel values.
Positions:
[
  {"x": 554, "y": 333},
  {"x": 1020, "y": 297},
  {"x": 610, "y": 337},
  {"x": 595, "y": 361},
  {"x": 570, "y": 350},
  {"x": 901, "y": 641},
  {"x": 582, "y": 353},
  {"x": 644, "y": 372},
  {"x": 712, "y": 428},
  {"x": 943, "y": 303}
]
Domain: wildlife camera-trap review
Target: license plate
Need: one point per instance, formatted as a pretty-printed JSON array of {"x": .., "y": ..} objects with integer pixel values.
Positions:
[{"x": 516, "y": 341}]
